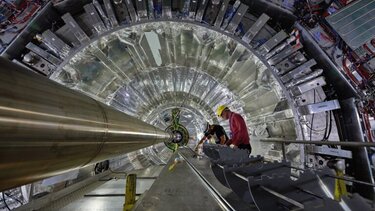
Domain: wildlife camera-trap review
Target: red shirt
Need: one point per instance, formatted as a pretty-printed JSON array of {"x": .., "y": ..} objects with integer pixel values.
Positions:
[{"x": 238, "y": 129}]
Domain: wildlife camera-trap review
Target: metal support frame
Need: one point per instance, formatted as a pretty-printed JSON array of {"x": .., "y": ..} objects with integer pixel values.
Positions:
[
  {"x": 360, "y": 164},
  {"x": 331, "y": 143},
  {"x": 269, "y": 187}
]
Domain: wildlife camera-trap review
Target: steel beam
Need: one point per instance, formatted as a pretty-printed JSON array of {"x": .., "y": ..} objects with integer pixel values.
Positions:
[{"x": 332, "y": 143}]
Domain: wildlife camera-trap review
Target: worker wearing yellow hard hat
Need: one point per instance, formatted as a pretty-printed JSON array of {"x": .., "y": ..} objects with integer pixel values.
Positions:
[
  {"x": 239, "y": 133},
  {"x": 220, "y": 110}
]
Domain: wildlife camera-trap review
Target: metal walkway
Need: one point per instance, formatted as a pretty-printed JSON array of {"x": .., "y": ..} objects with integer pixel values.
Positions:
[{"x": 190, "y": 185}]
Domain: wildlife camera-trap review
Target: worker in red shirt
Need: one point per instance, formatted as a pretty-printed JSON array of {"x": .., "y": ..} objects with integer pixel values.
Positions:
[{"x": 239, "y": 134}]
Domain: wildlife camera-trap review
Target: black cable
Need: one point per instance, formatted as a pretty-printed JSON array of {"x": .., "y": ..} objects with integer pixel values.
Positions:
[
  {"x": 326, "y": 128},
  {"x": 327, "y": 134},
  {"x": 5, "y": 201},
  {"x": 312, "y": 124},
  {"x": 312, "y": 119},
  {"x": 315, "y": 130},
  {"x": 330, "y": 125}
]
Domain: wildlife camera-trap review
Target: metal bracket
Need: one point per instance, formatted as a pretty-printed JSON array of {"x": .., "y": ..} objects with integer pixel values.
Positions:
[
  {"x": 324, "y": 150},
  {"x": 319, "y": 107}
]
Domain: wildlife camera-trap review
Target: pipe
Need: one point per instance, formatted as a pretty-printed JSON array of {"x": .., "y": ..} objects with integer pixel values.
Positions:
[
  {"x": 331, "y": 143},
  {"x": 47, "y": 129}
]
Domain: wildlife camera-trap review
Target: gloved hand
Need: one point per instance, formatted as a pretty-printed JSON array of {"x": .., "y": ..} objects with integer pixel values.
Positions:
[{"x": 233, "y": 146}]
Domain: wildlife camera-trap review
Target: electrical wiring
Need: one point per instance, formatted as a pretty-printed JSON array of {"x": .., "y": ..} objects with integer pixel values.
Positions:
[
  {"x": 351, "y": 62},
  {"x": 6, "y": 205},
  {"x": 26, "y": 17},
  {"x": 315, "y": 130},
  {"x": 328, "y": 131},
  {"x": 357, "y": 64},
  {"x": 312, "y": 117},
  {"x": 328, "y": 125},
  {"x": 347, "y": 71},
  {"x": 368, "y": 49},
  {"x": 326, "y": 128}
]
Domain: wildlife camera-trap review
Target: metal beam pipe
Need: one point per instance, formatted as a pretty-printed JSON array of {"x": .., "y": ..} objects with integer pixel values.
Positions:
[
  {"x": 47, "y": 129},
  {"x": 331, "y": 143}
]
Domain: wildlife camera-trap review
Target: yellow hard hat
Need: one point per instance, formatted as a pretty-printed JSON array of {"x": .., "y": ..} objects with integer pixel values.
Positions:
[{"x": 220, "y": 109}]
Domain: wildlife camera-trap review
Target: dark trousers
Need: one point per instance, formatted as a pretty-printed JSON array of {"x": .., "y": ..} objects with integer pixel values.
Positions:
[{"x": 245, "y": 146}]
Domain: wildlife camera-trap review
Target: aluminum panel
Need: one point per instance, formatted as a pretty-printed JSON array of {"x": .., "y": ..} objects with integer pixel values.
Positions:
[
  {"x": 324, "y": 150},
  {"x": 319, "y": 107},
  {"x": 75, "y": 28},
  {"x": 131, "y": 10},
  {"x": 355, "y": 23},
  {"x": 184, "y": 9},
  {"x": 151, "y": 9},
  {"x": 201, "y": 10},
  {"x": 95, "y": 21},
  {"x": 47, "y": 56},
  {"x": 39, "y": 64},
  {"x": 122, "y": 12},
  {"x": 158, "y": 8},
  {"x": 102, "y": 14},
  {"x": 167, "y": 9},
  {"x": 220, "y": 16},
  {"x": 212, "y": 11},
  {"x": 54, "y": 43},
  {"x": 67, "y": 36},
  {"x": 193, "y": 8},
  {"x": 110, "y": 12},
  {"x": 283, "y": 54},
  {"x": 142, "y": 9},
  {"x": 304, "y": 78},
  {"x": 317, "y": 82},
  {"x": 255, "y": 28},
  {"x": 299, "y": 71},
  {"x": 290, "y": 63},
  {"x": 233, "y": 24},
  {"x": 231, "y": 11},
  {"x": 271, "y": 43}
]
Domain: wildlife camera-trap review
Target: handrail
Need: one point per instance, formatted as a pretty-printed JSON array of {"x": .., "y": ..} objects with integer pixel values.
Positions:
[{"x": 334, "y": 143}]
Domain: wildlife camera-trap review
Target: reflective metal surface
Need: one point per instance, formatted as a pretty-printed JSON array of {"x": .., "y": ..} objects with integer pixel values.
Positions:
[
  {"x": 180, "y": 189},
  {"x": 146, "y": 70},
  {"x": 146, "y": 66},
  {"x": 355, "y": 23},
  {"x": 46, "y": 129}
]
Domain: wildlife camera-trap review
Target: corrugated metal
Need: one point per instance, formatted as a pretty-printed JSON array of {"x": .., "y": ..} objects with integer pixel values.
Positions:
[{"x": 355, "y": 23}]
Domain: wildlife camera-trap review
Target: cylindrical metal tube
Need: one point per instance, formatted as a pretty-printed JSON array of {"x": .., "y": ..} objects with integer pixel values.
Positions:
[{"x": 47, "y": 129}]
